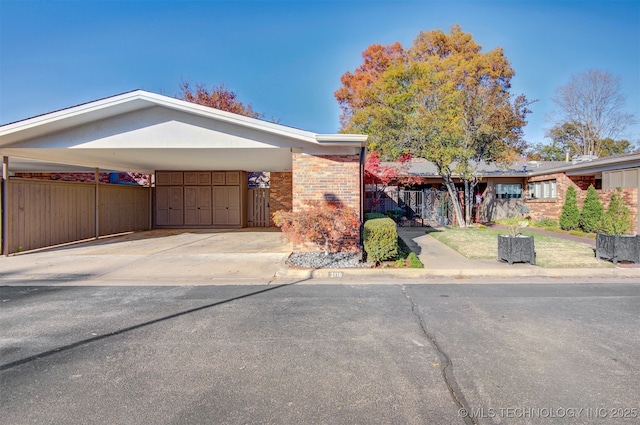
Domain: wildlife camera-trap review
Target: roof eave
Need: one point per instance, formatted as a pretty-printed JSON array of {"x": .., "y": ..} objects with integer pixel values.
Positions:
[{"x": 140, "y": 99}]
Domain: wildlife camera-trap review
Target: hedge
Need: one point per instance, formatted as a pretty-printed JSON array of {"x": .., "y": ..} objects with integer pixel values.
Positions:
[
  {"x": 380, "y": 239},
  {"x": 372, "y": 215}
]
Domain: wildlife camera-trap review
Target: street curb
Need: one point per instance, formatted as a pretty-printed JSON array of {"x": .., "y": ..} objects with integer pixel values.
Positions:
[{"x": 363, "y": 273}]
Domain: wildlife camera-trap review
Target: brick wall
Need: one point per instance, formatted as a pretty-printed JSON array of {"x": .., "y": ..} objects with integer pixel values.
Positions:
[
  {"x": 66, "y": 177},
  {"x": 87, "y": 177},
  {"x": 552, "y": 208},
  {"x": 325, "y": 177},
  {"x": 630, "y": 199},
  {"x": 280, "y": 192},
  {"x": 549, "y": 208}
]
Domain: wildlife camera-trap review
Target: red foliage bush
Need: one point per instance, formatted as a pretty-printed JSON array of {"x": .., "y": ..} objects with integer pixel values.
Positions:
[{"x": 327, "y": 224}]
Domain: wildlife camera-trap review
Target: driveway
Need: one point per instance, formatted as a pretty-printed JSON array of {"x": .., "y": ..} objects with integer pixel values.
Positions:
[{"x": 154, "y": 257}]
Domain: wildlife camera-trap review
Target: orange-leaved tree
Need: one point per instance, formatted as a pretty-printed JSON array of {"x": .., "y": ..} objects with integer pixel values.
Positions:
[
  {"x": 444, "y": 100},
  {"x": 324, "y": 223},
  {"x": 217, "y": 97},
  {"x": 353, "y": 94}
]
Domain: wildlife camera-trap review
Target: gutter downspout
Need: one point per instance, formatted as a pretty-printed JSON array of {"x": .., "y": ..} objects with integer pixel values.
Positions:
[
  {"x": 4, "y": 226},
  {"x": 363, "y": 152},
  {"x": 96, "y": 206}
]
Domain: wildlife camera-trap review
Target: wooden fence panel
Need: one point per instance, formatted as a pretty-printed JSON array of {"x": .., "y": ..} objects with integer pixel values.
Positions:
[
  {"x": 123, "y": 208},
  {"x": 44, "y": 213},
  {"x": 258, "y": 212}
]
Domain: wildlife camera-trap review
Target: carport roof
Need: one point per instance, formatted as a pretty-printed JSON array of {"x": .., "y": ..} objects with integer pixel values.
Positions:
[{"x": 143, "y": 131}]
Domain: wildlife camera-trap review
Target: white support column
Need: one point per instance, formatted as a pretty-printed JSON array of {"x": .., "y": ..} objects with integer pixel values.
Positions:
[
  {"x": 97, "y": 204},
  {"x": 5, "y": 206}
]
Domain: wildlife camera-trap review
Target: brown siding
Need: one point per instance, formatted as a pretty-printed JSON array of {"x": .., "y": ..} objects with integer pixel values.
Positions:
[
  {"x": 493, "y": 208},
  {"x": 45, "y": 213},
  {"x": 123, "y": 208}
]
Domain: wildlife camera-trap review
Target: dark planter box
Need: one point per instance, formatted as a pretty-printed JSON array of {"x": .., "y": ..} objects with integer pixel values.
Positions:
[
  {"x": 618, "y": 248},
  {"x": 516, "y": 249}
]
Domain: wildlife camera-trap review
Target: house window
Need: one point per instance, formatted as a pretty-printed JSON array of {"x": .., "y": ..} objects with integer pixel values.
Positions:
[
  {"x": 510, "y": 190},
  {"x": 542, "y": 190}
]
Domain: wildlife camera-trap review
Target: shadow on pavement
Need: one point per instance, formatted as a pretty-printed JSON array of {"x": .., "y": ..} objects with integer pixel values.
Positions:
[{"x": 138, "y": 326}]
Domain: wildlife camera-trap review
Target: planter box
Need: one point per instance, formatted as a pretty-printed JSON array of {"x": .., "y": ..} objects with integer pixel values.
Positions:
[
  {"x": 516, "y": 249},
  {"x": 618, "y": 248}
]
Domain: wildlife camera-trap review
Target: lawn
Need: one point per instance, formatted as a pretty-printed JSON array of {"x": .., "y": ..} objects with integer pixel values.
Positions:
[{"x": 550, "y": 252}]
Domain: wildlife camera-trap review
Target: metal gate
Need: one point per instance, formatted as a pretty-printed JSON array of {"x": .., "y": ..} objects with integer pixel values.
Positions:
[
  {"x": 430, "y": 207},
  {"x": 437, "y": 208}
]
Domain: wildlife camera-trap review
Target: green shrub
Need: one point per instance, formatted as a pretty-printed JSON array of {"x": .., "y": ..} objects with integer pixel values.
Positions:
[
  {"x": 617, "y": 219},
  {"x": 414, "y": 261},
  {"x": 570, "y": 217},
  {"x": 546, "y": 223},
  {"x": 380, "y": 239},
  {"x": 395, "y": 214},
  {"x": 592, "y": 210},
  {"x": 372, "y": 215}
]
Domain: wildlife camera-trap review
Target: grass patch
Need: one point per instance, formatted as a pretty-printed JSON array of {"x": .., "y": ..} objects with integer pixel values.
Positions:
[
  {"x": 482, "y": 243},
  {"x": 553, "y": 226}
]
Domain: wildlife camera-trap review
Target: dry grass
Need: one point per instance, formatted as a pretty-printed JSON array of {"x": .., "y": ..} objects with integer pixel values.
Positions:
[{"x": 550, "y": 252}]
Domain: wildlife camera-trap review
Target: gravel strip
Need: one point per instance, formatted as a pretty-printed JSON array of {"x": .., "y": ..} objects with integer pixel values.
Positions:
[{"x": 335, "y": 260}]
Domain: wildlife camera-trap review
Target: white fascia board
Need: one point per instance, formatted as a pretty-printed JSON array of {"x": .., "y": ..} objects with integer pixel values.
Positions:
[
  {"x": 140, "y": 99},
  {"x": 73, "y": 111},
  {"x": 342, "y": 139}
]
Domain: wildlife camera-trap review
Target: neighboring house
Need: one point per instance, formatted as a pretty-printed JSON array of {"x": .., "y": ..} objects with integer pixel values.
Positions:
[
  {"x": 545, "y": 189},
  {"x": 540, "y": 186},
  {"x": 198, "y": 157}
]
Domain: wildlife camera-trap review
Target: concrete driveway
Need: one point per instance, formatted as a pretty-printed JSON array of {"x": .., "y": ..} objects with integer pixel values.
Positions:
[{"x": 155, "y": 257}]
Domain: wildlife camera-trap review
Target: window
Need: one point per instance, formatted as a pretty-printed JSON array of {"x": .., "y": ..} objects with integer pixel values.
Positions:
[
  {"x": 510, "y": 190},
  {"x": 542, "y": 190}
]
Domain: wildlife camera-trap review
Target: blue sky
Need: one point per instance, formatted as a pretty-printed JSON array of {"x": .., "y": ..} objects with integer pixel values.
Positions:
[{"x": 286, "y": 57}]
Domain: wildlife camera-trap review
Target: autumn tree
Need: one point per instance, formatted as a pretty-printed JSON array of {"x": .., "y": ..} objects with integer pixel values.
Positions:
[
  {"x": 567, "y": 137},
  {"x": 217, "y": 97},
  {"x": 446, "y": 101},
  {"x": 546, "y": 152},
  {"x": 353, "y": 93},
  {"x": 610, "y": 147},
  {"x": 593, "y": 104}
]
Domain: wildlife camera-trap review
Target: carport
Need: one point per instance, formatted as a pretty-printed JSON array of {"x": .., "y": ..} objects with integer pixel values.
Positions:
[{"x": 198, "y": 157}]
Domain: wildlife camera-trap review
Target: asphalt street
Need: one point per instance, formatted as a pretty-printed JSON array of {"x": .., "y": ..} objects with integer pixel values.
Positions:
[{"x": 341, "y": 353}]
